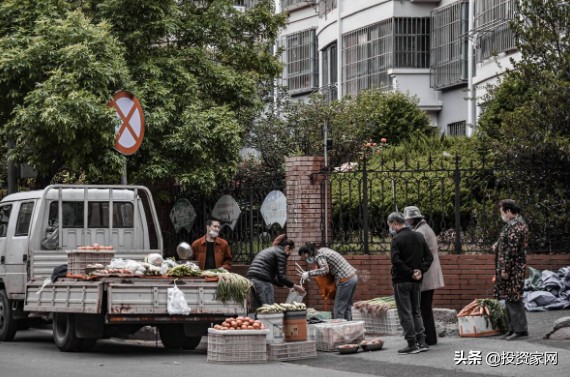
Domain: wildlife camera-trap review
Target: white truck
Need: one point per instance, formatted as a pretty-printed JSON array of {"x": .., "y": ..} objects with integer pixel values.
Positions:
[{"x": 81, "y": 310}]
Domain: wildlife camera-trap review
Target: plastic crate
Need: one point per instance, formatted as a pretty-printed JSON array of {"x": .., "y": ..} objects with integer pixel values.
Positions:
[
  {"x": 387, "y": 323},
  {"x": 329, "y": 335},
  {"x": 292, "y": 351},
  {"x": 77, "y": 260},
  {"x": 237, "y": 346}
]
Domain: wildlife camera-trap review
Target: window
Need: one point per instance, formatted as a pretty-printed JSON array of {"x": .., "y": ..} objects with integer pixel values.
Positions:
[
  {"x": 326, "y": 6},
  {"x": 449, "y": 45},
  {"x": 97, "y": 214},
  {"x": 24, "y": 219},
  {"x": 411, "y": 42},
  {"x": 290, "y": 3},
  {"x": 491, "y": 21},
  {"x": 301, "y": 62},
  {"x": 329, "y": 72},
  {"x": 368, "y": 53},
  {"x": 456, "y": 129},
  {"x": 5, "y": 211}
]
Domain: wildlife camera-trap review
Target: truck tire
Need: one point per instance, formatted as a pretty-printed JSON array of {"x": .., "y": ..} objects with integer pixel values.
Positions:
[
  {"x": 64, "y": 332},
  {"x": 172, "y": 336},
  {"x": 8, "y": 325},
  {"x": 192, "y": 342}
]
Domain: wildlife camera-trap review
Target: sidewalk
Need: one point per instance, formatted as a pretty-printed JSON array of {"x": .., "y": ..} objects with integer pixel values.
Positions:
[{"x": 452, "y": 356}]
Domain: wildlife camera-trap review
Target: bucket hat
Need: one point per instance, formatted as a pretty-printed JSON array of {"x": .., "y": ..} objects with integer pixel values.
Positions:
[{"x": 412, "y": 212}]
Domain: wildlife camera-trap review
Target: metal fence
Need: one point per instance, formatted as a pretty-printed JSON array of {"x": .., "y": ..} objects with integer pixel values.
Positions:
[
  {"x": 451, "y": 196},
  {"x": 249, "y": 235}
]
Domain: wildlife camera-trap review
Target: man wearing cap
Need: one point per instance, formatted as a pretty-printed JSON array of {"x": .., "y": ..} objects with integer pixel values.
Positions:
[{"x": 433, "y": 278}]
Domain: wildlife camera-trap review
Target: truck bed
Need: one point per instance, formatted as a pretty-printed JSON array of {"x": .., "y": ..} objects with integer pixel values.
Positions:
[{"x": 122, "y": 297}]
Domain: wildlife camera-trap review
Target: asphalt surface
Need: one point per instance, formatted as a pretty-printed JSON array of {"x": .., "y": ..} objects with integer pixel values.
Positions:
[
  {"x": 34, "y": 354},
  {"x": 457, "y": 356}
]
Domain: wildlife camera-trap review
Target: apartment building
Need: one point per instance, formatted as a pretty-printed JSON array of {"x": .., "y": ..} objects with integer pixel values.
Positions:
[{"x": 444, "y": 52}]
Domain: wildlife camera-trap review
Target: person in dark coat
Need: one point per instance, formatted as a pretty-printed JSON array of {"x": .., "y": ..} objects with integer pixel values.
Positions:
[
  {"x": 411, "y": 258},
  {"x": 268, "y": 269},
  {"x": 510, "y": 267}
]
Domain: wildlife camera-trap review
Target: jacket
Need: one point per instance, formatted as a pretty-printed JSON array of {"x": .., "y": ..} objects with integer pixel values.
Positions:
[
  {"x": 433, "y": 278},
  {"x": 222, "y": 252},
  {"x": 409, "y": 252},
  {"x": 270, "y": 265}
]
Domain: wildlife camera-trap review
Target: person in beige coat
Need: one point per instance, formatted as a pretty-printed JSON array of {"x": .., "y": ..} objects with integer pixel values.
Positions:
[{"x": 433, "y": 278}]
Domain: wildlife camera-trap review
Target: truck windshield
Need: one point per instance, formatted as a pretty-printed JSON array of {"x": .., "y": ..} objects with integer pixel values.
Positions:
[{"x": 97, "y": 214}]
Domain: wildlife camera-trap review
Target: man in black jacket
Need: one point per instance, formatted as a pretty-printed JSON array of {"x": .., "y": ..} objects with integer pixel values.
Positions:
[
  {"x": 411, "y": 258},
  {"x": 269, "y": 268}
]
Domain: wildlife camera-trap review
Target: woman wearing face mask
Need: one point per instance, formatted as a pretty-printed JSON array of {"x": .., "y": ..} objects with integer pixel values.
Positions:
[
  {"x": 331, "y": 262},
  {"x": 268, "y": 269},
  {"x": 212, "y": 251},
  {"x": 510, "y": 267}
]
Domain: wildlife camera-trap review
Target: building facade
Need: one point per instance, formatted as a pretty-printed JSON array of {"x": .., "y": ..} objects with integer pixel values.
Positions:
[{"x": 444, "y": 52}]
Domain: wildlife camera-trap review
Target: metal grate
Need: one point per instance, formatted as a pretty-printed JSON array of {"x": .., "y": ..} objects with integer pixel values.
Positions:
[
  {"x": 301, "y": 61},
  {"x": 449, "y": 45},
  {"x": 326, "y": 6},
  {"x": 369, "y": 52},
  {"x": 456, "y": 129},
  {"x": 494, "y": 34},
  {"x": 329, "y": 71}
]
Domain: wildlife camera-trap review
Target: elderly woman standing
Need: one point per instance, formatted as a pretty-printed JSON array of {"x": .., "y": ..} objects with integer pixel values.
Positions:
[
  {"x": 433, "y": 278},
  {"x": 510, "y": 267}
]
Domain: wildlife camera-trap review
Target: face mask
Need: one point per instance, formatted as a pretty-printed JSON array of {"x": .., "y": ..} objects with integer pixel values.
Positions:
[
  {"x": 213, "y": 233},
  {"x": 392, "y": 232},
  {"x": 310, "y": 260},
  {"x": 505, "y": 218}
]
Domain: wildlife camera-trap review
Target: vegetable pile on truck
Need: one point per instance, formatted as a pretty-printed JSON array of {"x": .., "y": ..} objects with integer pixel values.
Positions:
[{"x": 49, "y": 237}]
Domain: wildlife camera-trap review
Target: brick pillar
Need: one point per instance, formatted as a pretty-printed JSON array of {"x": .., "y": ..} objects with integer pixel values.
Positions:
[{"x": 304, "y": 192}]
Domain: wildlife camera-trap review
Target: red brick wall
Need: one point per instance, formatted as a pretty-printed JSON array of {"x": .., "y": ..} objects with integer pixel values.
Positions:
[{"x": 467, "y": 277}]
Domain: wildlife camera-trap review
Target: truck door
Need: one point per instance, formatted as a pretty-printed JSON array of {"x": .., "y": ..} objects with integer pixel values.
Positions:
[
  {"x": 5, "y": 210},
  {"x": 14, "y": 245}
]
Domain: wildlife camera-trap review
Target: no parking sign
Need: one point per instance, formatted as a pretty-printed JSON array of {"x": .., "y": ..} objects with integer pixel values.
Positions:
[{"x": 129, "y": 135}]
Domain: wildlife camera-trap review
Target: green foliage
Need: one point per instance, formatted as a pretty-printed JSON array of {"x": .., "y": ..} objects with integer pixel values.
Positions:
[
  {"x": 199, "y": 69},
  {"x": 292, "y": 127},
  {"x": 526, "y": 120},
  {"x": 61, "y": 73},
  {"x": 394, "y": 115}
]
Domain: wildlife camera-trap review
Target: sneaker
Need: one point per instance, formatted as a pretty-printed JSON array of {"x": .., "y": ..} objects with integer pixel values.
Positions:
[
  {"x": 423, "y": 347},
  {"x": 517, "y": 335},
  {"x": 507, "y": 334},
  {"x": 409, "y": 350}
]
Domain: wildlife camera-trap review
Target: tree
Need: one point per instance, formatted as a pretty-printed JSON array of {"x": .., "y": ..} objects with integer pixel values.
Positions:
[
  {"x": 296, "y": 127},
  {"x": 527, "y": 117},
  {"x": 526, "y": 120},
  {"x": 57, "y": 74},
  {"x": 199, "y": 68}
]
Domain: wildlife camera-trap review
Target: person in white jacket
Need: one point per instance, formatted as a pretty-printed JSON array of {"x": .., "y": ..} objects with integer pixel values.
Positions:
[{"x": 433, "y": 278}]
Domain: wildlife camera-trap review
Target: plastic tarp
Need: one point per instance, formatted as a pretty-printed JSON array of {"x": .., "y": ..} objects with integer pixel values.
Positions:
[{"x": 547, "y": 290}]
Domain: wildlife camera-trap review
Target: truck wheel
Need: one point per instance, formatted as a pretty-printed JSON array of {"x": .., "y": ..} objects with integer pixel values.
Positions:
[
  {"x": 172, "y": 336},
  {"x": 192, "y": 342},
  {"x": 64, "y": 332},
  {"x": 8, "y": 325}
]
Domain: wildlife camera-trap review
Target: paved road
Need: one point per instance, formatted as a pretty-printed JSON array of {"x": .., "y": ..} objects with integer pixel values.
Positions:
[{"x": 34, "y": 354}]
